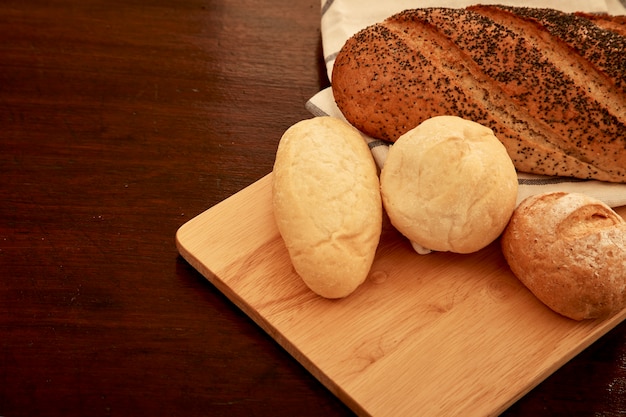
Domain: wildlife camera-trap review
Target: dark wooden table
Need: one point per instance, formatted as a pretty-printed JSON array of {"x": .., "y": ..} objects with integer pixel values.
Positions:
[{"x": 119, "y": 122}]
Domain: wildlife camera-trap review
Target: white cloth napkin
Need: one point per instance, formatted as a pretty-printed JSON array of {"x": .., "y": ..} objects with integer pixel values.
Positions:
[{"x": 343, "y": 18}]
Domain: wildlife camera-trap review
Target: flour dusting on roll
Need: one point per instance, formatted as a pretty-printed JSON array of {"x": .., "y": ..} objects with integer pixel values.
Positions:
[{"x": 570, "y": 251}]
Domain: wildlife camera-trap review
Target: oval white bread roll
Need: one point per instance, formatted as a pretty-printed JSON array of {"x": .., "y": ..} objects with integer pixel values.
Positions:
[
  {"x": 449, "y": 185},
  {"x": 570, "y": 251},
  {"x": 327, "y": 205}
]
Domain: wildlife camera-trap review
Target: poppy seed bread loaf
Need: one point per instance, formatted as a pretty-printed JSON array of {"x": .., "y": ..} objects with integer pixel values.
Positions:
[{"x": 551, "y": 85}]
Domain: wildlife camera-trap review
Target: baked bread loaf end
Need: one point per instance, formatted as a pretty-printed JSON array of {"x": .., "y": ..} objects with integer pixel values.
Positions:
[{"x": 570, "y": 251}]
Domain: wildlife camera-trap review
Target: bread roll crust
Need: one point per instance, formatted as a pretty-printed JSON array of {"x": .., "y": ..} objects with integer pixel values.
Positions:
[
  {"x": 449, "y": 185},
  {"x": 327, "y": 204},
  {"x": 570, "y": 251}
]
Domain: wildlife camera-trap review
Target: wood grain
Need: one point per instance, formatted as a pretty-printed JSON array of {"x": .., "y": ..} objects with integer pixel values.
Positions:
[
  {"x": 120, "y": 122},
  {"x": 442, "y": 334}
]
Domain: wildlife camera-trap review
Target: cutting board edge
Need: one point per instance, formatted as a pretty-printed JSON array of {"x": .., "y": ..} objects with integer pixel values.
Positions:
[
  {"x": 599, "y": 332},
  {"x": 263, "y": 323}
]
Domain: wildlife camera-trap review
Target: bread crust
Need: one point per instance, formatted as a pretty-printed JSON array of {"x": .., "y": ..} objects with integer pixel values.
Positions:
[
  {"x": 570, "y": 251},
  {"x": 449, "y": 185},
  {"x": 556, "y": 112},
  {"x": 327, "y": 204}
]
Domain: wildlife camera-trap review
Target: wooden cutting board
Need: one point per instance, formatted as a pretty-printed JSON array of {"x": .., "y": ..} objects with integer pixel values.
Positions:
[{"x": 441, "y": 334}]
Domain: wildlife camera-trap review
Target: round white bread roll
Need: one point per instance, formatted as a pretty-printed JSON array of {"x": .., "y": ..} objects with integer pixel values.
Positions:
[
  {"x": 449, "y": 185},
  {"x": 327, "y": 204},
  {"x": 570, "y": 251}
]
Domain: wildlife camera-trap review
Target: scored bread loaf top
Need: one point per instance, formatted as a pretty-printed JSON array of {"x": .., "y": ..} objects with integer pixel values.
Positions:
[
  {"x": 558, "y": 111},
  {"x": 612, "y": 23},
  {"x": 599, "y": 39}
]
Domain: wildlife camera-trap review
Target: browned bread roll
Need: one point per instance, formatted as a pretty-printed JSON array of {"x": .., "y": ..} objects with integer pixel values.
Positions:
[
  {"x": 552, "y": 86},
  {"x": 570, "y": 251}
]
